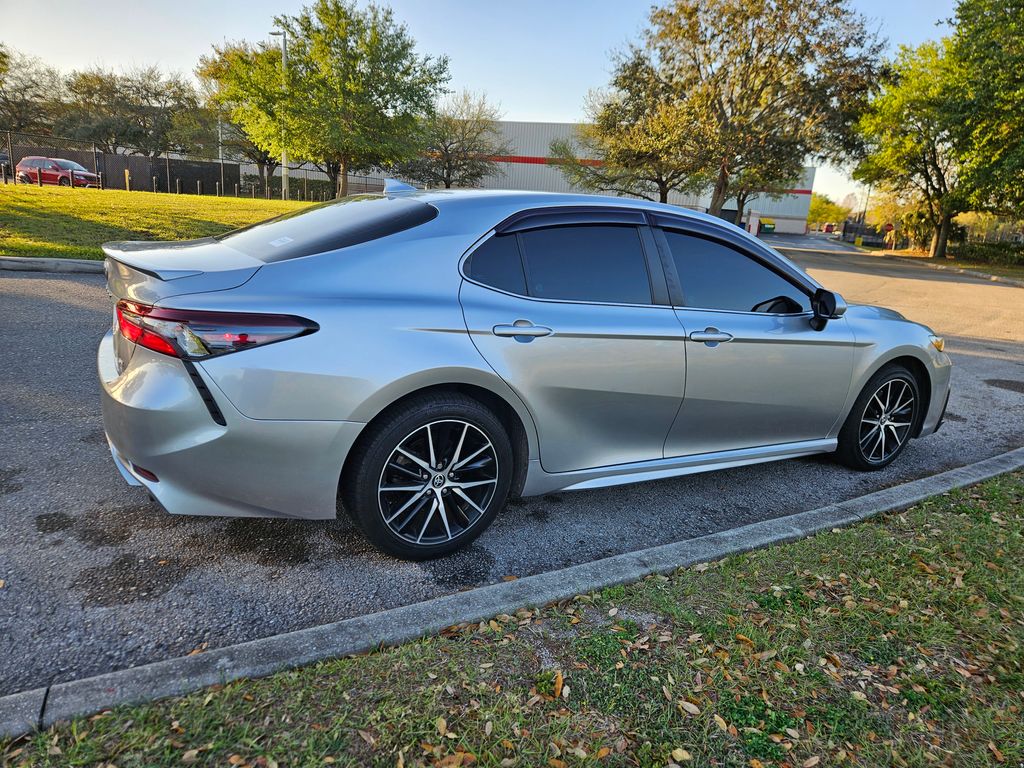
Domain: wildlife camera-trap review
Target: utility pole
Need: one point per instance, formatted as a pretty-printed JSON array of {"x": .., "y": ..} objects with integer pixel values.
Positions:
[
  {"x": 220, "y": 150},
  {"x": 283, "y": 33}
]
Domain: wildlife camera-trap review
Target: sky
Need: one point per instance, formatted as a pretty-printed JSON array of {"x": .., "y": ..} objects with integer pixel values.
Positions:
[{"x": 536, "y": 59}]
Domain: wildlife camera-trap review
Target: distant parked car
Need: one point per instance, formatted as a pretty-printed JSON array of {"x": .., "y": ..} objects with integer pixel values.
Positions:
[
  {"x": 830, "y": 228},
  {"x": 54, "y": 170},
  {"x": 5, "y": 162}
]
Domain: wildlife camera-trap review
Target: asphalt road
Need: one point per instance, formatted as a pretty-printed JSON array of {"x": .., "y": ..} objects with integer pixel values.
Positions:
[{"x": 97, "y": 578}]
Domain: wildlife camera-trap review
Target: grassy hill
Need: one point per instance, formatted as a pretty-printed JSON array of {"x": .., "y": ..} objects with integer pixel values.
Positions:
[{"x": 72, "y": 223}]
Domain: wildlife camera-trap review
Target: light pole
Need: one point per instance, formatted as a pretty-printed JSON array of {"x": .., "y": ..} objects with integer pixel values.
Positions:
[{"x": 283, "y": 33}]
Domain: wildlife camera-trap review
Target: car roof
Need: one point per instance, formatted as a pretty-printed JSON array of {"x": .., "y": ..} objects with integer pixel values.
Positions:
[{"x": 520, "y": 200}]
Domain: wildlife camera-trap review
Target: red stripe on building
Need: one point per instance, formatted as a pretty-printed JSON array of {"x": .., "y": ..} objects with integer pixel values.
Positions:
[{"x": 531, "y": 160}]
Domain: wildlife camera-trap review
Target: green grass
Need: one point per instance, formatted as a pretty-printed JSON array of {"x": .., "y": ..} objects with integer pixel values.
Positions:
[
  {"x": 73, "y": 223},
  {"x": 899, "y": 641}
]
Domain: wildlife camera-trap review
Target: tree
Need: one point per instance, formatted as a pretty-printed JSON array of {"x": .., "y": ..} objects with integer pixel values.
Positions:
[
  {"x": 132, "y": 112},
  {"x": 747, "y": 79},
  {"x": 987, "y": 61},
  {"x": 909, "y": 140},
  {"x": 460, "y": 140},
  {"x": 214, "y": 83},
  {"x": 639, "y": 141},
  {"x": 29, "y": 94},
  {"x": 823, "y": 210},
  {"x": 355, "y": 95}
]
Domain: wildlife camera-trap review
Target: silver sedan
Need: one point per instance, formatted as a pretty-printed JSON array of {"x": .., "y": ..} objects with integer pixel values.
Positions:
[{"x": 415, "y": 358}]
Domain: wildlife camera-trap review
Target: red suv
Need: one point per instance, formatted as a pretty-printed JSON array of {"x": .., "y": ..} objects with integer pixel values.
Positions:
[{"x": 54, "y": 170}]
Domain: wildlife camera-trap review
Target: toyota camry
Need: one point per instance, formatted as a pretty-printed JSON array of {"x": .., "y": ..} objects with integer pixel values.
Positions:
[{"x": 415, "y": 358}]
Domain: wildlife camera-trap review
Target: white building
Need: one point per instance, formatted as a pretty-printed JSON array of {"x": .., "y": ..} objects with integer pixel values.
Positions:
[{"x": 529, "y": 166}]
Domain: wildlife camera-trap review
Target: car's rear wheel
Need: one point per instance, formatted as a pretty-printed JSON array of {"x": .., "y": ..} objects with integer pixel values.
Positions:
[
  {"x": 881, "y": 421},
  {"x": 430, "y": 476}
]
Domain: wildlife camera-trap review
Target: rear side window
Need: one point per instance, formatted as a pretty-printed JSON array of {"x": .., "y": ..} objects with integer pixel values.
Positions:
[
  {"x": 496, "y": 263},
  {"x": 716, "y": 276},
  {"x": 329, "y": 226},
  {"x": 594, "y": 262}
]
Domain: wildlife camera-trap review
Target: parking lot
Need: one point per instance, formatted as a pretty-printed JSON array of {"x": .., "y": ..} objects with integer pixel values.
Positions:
[{"x": 98, "y": 578}]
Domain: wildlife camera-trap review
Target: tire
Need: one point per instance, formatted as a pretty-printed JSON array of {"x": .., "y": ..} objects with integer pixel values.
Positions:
[
  {"x": 23, "y": 179},
  {"x": 404, "y": 519},
  {"x": 862, "y": 445},
  {"x": 64, "y": 182}
]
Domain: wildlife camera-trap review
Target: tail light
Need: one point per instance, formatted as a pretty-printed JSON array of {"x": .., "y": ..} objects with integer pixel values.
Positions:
[{"x": 196, "y": 335}]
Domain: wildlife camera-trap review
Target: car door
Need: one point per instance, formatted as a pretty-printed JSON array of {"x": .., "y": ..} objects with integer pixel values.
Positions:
[
  {"x": 757, "y": 373},
  {"x": 50, "y": 171},
  {"x": 575, "y": 317}
]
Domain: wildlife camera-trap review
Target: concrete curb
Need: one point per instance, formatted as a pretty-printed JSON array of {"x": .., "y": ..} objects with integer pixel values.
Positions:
[
  {"x": 172, "y": 677},
  {"x": 34, "y": 264}
]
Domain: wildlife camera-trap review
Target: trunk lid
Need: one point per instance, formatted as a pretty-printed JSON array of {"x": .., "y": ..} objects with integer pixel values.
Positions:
[{"x": 151, "y": 272}]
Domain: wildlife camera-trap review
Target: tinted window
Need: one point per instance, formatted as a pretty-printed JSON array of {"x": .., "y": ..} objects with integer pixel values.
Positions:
[
  {"x": 496, "y": 263},
  {"x": 329, "y": 226},
  {"x": 70, "y": 165},
  {"x": 715, "y": 276},
  {"x": 587, "y": 263}
]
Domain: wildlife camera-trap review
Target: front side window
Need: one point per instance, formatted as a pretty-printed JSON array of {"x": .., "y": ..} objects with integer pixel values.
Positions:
[
  {"x": 70, "y": 165},
  {"x": 715, "y": 276},
  {"x": 593, "y": 262}
]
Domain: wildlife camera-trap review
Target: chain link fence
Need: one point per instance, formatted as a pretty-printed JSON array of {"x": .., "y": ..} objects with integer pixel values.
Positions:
[{"x": 191, "y": 173}]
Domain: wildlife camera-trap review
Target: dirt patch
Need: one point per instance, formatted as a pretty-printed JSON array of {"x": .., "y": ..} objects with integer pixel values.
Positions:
[
  {"x": 1013, "y": 385},
  {"x": 7, "y": 484},
  {"x": 52, "y": 522},
  {"x": 129, "y": 578},
  {"x": 466, "y": 568}
]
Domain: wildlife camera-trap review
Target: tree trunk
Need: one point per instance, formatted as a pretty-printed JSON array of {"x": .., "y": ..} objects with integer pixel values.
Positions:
[
  {"x": 741, "y": 203},
  {"x": 940, "y": 238},
  {"x": 721, "y": 191},
  {"x": 342, "y": 178},
  {"x": 662, "y": 192}
]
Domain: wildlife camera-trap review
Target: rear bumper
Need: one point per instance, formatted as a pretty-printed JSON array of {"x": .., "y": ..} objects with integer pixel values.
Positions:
[{"x": 155, "y": 419}]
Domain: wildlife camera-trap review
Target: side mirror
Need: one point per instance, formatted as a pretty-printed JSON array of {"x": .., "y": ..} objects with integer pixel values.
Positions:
[{"x": 826, "y": 306}]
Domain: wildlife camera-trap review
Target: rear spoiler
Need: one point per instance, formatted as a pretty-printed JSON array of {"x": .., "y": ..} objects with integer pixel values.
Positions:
[{"x": 174, "y": 260}]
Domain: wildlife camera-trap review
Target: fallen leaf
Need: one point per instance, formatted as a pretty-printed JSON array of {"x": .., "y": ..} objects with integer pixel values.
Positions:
[
  {"x": 720, "y": 722},
  {"x": 680, "y": 755},
  {"x": 810, "y": 762},
  {"x": 995, "y": 752},
  {"x": 442, "y": 725},
  {"x": 190, "y": 756},
  {"x": 689, "y": 707},
  {"x": 603, "y": 752},
  {"x": 557, "y": 687},
  {"x": 488, "y": 727}
]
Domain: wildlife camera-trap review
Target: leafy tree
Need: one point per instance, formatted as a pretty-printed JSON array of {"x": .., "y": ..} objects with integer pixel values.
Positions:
[
  {"x": 459, "y": 141},
  {"x": 823, "y": 210},
  {"x": 215, "y": 87},
  {"x": 988, "y": 58},
  {"x": 741, "y": 81},
  {"x": 29, "y": 94},
  {"x": 132, "y": 112},
  {"x": 639, "y": 141},
  {"x": 5, "y": 61},
  {"x": 355, "y": 94},
  {"x": 909, "y": 139}
]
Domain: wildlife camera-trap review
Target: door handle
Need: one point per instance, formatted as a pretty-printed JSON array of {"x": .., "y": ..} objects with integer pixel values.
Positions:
[
  {"x": 711, "y": 336},
  {"x": 521, "y": 328}
]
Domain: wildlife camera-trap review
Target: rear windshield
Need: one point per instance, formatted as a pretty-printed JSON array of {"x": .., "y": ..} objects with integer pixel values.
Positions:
[{"x": 329, "y": 226}]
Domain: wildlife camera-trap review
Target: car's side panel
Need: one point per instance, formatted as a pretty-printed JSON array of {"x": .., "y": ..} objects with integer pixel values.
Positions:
[
  {"x": 603, "y": 388},
  {"x": 776, "y": 381},
  {"x": 884, "y": 337}
]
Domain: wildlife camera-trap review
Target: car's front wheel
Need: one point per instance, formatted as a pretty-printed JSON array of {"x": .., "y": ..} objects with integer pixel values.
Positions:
[
  {"x": 429, "y": 476},
  {"x": 881, "y": 421}
]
